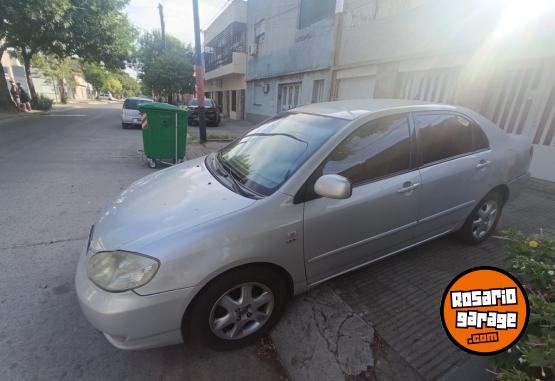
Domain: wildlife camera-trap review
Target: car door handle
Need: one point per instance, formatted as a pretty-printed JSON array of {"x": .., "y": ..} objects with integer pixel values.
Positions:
[
  {"x": 483, "y": 164},
  {"x": 408, "y": 186}
]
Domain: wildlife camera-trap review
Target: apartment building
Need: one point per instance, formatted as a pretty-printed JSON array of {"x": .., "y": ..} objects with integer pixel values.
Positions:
[
  {"x": 225, "y": 59},
  {"x": 290, "y": 52},
  {"x": 496, "y": 57}
]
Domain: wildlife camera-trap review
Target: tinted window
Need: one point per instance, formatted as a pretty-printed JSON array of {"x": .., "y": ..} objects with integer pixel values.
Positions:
[
  {"x": 479, "y": 137},
  {"x": 207, "y": 103},
  {"x": 377, "y": 149},
  {"x": 133, "y": 104},
  {"x": 441, "y": 136}
]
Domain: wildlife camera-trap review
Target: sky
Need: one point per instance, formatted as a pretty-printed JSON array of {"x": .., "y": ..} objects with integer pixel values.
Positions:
[{"x": 178, "y": 15}]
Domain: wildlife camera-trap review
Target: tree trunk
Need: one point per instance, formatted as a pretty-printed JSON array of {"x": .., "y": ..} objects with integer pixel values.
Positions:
[
  {"x": 6, "y": 101},
  {"x": 63, "y": 94},
  {"x": 27, "y": 63}
]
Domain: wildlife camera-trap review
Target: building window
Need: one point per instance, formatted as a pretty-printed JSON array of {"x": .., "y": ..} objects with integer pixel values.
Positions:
[
  {"x": 315, "y": 10},
  {"x": 233, "y": 100},
  {"x": 318, "y": 91}
]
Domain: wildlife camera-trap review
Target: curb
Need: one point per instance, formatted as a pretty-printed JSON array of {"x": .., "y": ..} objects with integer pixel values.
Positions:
[{"x": 321, "y": 338}]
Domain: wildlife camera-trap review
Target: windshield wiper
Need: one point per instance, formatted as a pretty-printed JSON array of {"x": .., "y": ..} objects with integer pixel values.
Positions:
[
  {"x": 276, "y": 134},
  {"x": 235, "y": 183}
]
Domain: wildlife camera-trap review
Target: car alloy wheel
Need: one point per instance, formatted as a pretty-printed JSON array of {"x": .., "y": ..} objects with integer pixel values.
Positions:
[
  {"x": 481, "y": 223},
  {"x": 484, "y": 219},
  {"x": 236, "y": 308},
  {"x": 241, "y": 311}
]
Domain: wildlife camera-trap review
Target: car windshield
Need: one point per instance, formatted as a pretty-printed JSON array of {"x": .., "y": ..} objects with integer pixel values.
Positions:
[
  {"x": 263, "y": 159},
  {"x": 207, "y": 103},
  {"x": 133, "y": 104}
]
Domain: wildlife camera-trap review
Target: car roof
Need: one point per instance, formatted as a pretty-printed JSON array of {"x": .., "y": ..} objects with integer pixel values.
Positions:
[{"x": 355, "y": 108}]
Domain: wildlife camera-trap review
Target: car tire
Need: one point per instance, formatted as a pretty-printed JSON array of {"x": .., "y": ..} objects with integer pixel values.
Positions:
[
  {"x": 223, "y": 308},
  {"x": 482, "y": 221},
  {"x": 125, "y": 126}
]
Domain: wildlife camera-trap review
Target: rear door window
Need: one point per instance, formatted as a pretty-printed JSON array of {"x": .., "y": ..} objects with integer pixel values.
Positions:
[{"x": 442, "y": 136}]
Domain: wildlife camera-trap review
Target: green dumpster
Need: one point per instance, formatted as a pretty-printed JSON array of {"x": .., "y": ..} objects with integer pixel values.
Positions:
[{"x": 164, "y": 133}]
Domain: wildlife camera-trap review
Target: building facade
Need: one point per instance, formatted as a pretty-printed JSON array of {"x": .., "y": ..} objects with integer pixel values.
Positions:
[
  {"x": 495, "y": 57},
  {"x": 225, "y": 58},
  {"x": 290, "y": 52}
]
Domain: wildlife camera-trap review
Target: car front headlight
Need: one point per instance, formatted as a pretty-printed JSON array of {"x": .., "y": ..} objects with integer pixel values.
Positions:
[{"x": 117, "y": 271}]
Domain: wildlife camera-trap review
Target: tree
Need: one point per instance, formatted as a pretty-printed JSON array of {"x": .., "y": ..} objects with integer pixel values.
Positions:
[
  {"x": 165, "y": 71},
  {"x": 114, "y": 86},
  {"x": 59, "y": 71},
  {"x": 91, "y": 29},
  {"x": 130, "y": 86},
  {"x": 95, "y": 74},
  {"x": 103, "y": 80}
]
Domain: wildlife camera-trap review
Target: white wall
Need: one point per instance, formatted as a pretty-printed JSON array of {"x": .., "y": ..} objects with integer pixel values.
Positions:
[
  {"x": 235, "y": 11},
  {"x": 260, "y": 106}
]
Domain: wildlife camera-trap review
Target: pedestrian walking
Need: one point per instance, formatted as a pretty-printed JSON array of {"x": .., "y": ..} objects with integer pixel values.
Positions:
[
  {"x": 14, "y": 92},
  {"x": 24, "y": 98}
]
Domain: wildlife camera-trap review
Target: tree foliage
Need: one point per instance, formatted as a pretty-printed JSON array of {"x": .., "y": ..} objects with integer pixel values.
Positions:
[
  {"x": 95, "y": 30},
  {"x": 165, "y": 71},
  {"x": 116, "y": 81},
  {"x": 59, "y": 71}
]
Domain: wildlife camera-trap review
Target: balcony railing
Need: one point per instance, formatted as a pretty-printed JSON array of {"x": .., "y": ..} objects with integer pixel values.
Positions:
[{"x": 219, "y": 51}]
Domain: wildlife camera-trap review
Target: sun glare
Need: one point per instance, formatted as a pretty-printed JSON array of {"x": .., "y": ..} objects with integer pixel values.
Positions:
[{"x": 519, "y": 13}]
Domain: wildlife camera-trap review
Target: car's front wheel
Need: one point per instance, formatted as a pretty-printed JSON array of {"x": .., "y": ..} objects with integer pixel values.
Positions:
[
  {"x": 236, "y": 308},
  {"x": 481, "y": 223}
]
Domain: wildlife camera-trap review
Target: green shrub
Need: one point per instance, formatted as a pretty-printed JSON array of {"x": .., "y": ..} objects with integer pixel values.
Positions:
[
  {"x": 42, "y": 103},
  {"x": 533, "y": 263}
]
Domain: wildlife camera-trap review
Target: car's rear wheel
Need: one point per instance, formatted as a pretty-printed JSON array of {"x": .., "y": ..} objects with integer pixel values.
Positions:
[
  {"x": 124, "y": 126},
  {"x": 236, "y": 308},
  {"x": 481, "y": 223}
]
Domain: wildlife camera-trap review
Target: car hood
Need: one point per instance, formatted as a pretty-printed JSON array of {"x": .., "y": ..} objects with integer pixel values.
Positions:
[{"x": 164, "y": 203}]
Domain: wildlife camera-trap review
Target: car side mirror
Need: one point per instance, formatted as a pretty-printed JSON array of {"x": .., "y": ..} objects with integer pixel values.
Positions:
[{"x": 333, "y": 186}]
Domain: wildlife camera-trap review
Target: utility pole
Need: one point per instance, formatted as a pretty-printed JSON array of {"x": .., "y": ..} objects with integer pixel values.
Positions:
[
  {"x": 162, "y": 24},
  {"x": 199, "y": 73}
]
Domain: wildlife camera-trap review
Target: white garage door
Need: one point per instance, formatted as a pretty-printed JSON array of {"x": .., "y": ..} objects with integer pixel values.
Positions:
[{"x": 355, "y": 88}]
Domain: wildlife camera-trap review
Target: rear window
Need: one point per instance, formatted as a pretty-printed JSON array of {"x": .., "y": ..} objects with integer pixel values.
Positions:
[
  {"x": 207, "y": 103},
  {"x": 133, "y": 104}
]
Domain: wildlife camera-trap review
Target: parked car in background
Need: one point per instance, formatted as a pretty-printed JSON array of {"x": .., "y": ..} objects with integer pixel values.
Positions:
[
  {"x": 130, "y": 115},
  {"x": 212, "y": 249},
  {"x": 211, "y": 112},
  {"x": 106, "y": 97}
]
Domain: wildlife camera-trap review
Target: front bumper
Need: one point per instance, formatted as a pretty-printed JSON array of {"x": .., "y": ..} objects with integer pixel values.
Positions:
[{"x": 129, "y": 320}]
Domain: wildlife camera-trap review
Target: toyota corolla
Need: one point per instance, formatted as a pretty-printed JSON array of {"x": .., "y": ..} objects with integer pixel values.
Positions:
[{"x": 211, "y": 250}]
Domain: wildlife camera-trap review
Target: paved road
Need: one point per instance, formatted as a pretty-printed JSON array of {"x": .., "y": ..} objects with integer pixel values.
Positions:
[{"x": 56, "y": 174}]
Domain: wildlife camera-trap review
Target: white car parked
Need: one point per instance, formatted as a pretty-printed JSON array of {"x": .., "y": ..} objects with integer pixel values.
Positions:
[
  {"x": 130, "y": 115},
  {"x": 106, "y": 97}
]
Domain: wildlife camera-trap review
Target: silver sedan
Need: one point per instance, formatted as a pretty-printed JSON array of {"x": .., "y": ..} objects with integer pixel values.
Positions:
[{"x": 211, "y": 250}]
